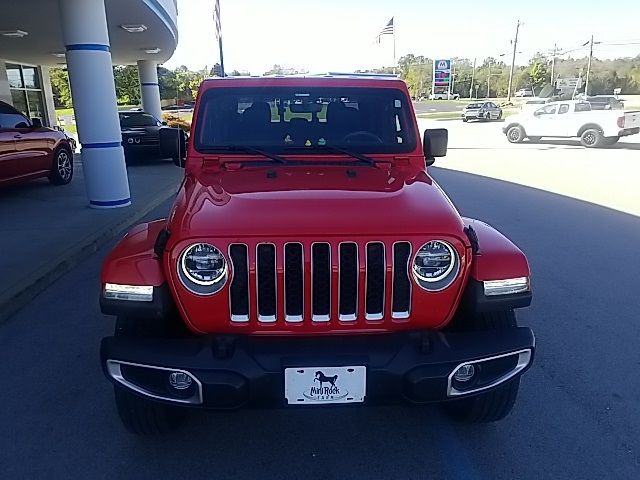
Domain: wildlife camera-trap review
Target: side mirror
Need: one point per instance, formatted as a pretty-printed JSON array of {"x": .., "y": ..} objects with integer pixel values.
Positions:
[
  {"x": 164, "y": 123},
  {"x": 36, "y": 123},
  {"x": 435, "y": 144},
  {"x": 173, "y": 144}
]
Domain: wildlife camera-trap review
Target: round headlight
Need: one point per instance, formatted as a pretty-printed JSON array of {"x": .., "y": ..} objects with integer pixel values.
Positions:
[
  {"x": 203, "y": 269},
  {"x": 435, "y": 265}
]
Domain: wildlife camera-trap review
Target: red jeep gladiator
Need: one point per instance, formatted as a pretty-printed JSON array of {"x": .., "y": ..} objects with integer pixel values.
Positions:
[{"x": 310, "y": 259}]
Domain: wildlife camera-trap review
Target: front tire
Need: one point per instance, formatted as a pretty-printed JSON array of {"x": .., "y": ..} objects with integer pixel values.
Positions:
[
  {"x": 139, "y": 415},
  {"x": 591, "y": 138},
  {"x": 495, "y": 404},
  {"x": 515, "y": 134},
  {"x": 465, "y": 119},
  {"x": 62, "y": 169},
  {"x": 144, "y": 417}
]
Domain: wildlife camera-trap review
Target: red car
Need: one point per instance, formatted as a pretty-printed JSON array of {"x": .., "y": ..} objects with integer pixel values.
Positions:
[
  {"x": 310, "y": 260},
  {"x": 28, "y": 150}
]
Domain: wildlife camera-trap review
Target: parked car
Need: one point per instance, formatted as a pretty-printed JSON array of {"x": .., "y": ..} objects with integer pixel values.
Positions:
[
  {"x": 28, "y": 150},
  {"x": 444, "y": 96},
  {"x": 275, "y": 280},
  {"x": 523, "y": 92},
  {"x": 141, "y": 135},
  {"x": 481, "y": 111},
  {"x": 568, "y": 119},
  {"x": 604, "y": 102}
]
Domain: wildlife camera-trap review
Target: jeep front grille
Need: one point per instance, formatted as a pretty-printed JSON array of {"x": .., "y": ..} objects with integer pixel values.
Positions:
[{"x": 336, "y": 282}]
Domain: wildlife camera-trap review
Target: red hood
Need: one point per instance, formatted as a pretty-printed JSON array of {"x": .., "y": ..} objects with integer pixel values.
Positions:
[{"x": 312, "y": 200}]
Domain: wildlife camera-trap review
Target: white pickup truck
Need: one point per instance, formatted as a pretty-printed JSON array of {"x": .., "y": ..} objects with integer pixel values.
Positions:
[{"x": 570, "y": 119}]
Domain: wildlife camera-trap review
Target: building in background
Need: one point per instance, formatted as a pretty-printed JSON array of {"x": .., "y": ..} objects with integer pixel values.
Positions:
[{"x": 89, "y": 36}]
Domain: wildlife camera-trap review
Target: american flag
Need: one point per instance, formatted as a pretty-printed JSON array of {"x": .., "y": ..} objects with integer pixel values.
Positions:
[
  {"x": 387, "y": 30},
  {"x": 216, "y": 19}
]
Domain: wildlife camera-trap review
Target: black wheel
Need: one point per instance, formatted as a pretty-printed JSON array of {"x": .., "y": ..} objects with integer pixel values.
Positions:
[
  {"x": 515, "y": 134},
  {"x": 145, "y": 417},
  {"x": 591, "y": 138},
  {"x": 610, "y": 140},
  {"x": 465, "y": 119},
  {"x": 534, "y": 139},
  {"x": 62, "y": 169},
  {"x": 499, "y": 115},
  {"x": 140, "y": 415},
  {"x": 495, "y": 404}
]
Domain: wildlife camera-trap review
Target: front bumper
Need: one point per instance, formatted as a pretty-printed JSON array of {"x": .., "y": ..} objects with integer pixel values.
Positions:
[{"x": 248, "y": 371}]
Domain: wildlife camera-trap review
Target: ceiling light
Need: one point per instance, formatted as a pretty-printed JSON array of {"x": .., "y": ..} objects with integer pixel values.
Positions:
[
  {"x": 13, "y": 33},
  {"x": 58, "y": 54},
  {"x": 134, "y": 28},
  {"x": 152, "y": 51}
]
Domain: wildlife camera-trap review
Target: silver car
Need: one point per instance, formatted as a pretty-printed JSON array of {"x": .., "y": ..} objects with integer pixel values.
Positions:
[{"x": 481, "y": 111}]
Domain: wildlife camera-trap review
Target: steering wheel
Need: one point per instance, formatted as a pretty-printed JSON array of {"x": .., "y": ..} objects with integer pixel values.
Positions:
[{"x": 364, "y": 134}]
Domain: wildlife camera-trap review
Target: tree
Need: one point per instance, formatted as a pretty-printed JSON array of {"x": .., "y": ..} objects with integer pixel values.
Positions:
[
  {"x": 60, "y": 87},
  {"x": 127, "y": 84}
]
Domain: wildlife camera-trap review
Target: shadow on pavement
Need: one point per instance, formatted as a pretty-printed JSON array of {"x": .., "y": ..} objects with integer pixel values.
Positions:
[{"x": 621, "y": 145}]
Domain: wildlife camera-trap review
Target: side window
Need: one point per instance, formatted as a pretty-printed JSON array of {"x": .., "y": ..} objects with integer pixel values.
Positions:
[
  {"x": 13, "y": 120},
  {"x": 564, "y": 108},
  {"x": 582, "y": 107},
  {"x": 547, "y": 110}
]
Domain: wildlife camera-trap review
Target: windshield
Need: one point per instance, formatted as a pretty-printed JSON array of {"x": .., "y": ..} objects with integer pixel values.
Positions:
[
  {"x": 366, "y": 120},
  {"x": 128, "y": 120}
]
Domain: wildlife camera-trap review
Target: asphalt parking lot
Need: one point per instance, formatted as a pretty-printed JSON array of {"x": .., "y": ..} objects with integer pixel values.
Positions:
[
  {"x": 434, "y": 106},
  {"x": 604, "y": 176},
  {"x": 577, "y": 414}
]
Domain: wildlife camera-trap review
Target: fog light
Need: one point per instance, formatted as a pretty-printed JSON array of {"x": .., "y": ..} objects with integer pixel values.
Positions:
[
  {"x": 464, "y": 373},
  {"x": 179, "y": 380}
]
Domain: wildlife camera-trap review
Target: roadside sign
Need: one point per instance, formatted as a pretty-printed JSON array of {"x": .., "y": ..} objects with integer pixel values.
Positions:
[
  {"x": 442, "y": 74},
  {"x": 567, "y": 83}
]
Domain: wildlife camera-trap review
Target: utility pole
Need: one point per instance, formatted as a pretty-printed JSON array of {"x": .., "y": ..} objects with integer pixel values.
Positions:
[
  {"x": 586, "y": 85},
  {"x": 489, "y": 80},
  {"x": 553, "y": 64},
  {"x": 473, "y": 76},
  {"x": 513, "y": 61}
]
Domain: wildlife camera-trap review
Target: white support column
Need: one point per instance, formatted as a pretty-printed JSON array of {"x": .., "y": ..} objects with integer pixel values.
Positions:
[
  {"x": 84, "y": 28},
  {"x": 149, "y": 89}
]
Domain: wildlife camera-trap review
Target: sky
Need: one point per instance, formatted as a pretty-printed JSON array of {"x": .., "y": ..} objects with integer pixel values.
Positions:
[{"x": 339, "y": 35}]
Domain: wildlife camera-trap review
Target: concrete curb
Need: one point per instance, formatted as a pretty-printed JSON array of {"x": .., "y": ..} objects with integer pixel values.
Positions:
[{"x": 24, "y": 290}]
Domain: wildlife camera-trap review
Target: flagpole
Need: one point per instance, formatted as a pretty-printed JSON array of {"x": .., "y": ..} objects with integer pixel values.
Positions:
[{"x": 221, "y": 57}]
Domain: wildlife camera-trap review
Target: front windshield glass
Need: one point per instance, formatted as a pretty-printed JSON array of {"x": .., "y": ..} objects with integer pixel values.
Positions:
[
  {"x": 366, "y": 120},
  {"x": 128, "y": 120}
]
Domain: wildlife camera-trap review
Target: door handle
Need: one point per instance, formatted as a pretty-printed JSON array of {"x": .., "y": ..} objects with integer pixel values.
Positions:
[{"x": 17, "y": 136}]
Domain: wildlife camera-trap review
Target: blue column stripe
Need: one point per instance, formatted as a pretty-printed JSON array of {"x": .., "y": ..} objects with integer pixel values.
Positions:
[
  {"x": 88, "y": 46},
  {"x": 149, "y": 84},
  {"x": 102, "y": 145},
  {"x": 111, "y": 203}
]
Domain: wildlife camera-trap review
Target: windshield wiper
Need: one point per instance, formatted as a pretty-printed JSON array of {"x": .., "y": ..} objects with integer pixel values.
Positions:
[
  {"x": 358, "y": 156},
  {"x": 245, "y": 148}
]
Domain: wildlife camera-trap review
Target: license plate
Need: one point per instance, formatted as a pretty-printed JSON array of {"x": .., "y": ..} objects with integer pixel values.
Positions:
[{"x": 316, "y": 385}]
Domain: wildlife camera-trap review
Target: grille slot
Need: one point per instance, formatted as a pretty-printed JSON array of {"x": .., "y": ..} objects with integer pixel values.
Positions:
[
  {"x": 374, "y": 303},
  {"x": 293, "y": 282},
  {"x": 266, "y": 282},
  {"x": 321, "y": 282},
  {"x": 348, "y": 282},
  {"x": 239, "y": 290},
  {"x": 401, "y": 304}
]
